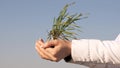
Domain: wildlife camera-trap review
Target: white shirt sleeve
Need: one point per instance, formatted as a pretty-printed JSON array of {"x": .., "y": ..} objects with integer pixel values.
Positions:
[
  {"x": 118, "y": 38},
  {"x": 95, "y": 53}
]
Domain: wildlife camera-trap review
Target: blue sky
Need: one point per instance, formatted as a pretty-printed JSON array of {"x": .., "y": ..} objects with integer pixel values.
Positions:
[{"x": 22, "y": 22}]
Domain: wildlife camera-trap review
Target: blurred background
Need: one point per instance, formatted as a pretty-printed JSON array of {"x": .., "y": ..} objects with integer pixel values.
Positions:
[{"x": 22, "y": 22}]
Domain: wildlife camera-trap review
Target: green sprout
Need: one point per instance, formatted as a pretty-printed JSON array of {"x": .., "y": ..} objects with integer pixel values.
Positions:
[{"x": 64, "y": 25}]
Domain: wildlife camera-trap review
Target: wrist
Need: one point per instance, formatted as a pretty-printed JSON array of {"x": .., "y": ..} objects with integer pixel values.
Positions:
[
  {"x": 68, "y": 57},
  {"x": 68, "y": 43}
]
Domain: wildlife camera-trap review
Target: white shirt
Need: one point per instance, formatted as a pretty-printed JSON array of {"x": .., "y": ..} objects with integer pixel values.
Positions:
[{"x": 95, "y": 53}]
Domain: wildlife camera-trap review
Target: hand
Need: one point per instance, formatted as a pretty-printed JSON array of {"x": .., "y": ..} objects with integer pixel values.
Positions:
[
  {"x": 42, "y": 52},
  {"x": 62, "y": 48}
]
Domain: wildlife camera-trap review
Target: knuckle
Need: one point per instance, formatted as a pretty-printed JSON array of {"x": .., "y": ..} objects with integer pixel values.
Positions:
[{"x": 56, "y": 60}]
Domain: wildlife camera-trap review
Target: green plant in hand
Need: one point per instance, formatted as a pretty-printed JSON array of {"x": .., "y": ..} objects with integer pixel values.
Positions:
[{"x": 64, "y": 25}]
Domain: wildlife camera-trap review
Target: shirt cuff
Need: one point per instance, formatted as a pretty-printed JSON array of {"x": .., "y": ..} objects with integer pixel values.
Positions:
[{"x": 80, "y": 50}]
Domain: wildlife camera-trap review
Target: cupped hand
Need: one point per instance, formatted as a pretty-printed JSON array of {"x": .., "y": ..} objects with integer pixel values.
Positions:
[{"x": 62, "y": 48}]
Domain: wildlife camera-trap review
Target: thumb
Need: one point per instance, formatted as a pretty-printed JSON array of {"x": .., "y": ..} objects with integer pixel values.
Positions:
[{"x": 51, "y": 44}]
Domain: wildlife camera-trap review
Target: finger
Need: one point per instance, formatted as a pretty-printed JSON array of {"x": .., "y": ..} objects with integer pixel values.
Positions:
[
  {"x": 51, "y": 43},
  {"x": 42, "y": 40},
  {"x": 41, "y": 54},
  {"x": 54, "y": 53},
  {"x": 40, "y": 43},
  {"x": 46, "y": 55},
  {"x": 50, "y": 50}
]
